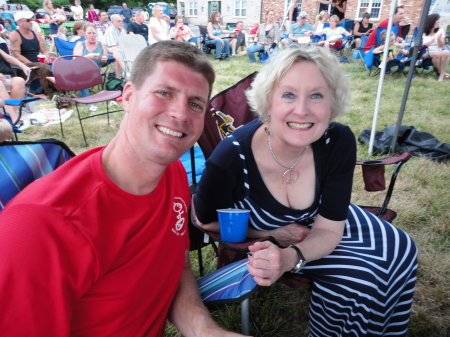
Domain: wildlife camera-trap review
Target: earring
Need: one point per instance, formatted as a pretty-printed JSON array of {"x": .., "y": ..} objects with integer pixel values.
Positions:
[{"x": 267, "y": 130}]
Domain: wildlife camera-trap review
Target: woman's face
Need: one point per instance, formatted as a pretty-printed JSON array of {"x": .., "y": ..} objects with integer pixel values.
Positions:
[
  {"x": 179, "y": 22},
  {"x": 91, "y": 34},
  {"x": 217, "y": 18},
  {"x": 437, "y": 24},
  {"x": 300, "y": 110},
  {"x": 365, "y": 20},
  {"x": 333, "y": 23},
  {"x": 270, "y": 16}
]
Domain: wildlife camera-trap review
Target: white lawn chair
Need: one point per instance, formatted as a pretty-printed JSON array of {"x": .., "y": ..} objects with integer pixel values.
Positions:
[{"x": 131, "y": 45}]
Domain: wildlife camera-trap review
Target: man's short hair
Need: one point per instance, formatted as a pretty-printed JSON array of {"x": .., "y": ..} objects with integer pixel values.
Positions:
[
  {"x": 115, "y": 17},
  {"x": 171, "y": 50},
  {"x": 260, "y": 94},
  {"x": 397, "y": 8}
]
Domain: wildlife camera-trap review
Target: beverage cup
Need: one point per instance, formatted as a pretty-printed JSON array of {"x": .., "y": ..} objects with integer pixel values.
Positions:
[
  {"x": 233, "y": 224},
  {"x": 41, "y": 58}
]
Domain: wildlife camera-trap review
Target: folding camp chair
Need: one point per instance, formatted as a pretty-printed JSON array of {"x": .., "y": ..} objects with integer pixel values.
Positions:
[
  {"x": 15, "y": 124},
  {"x": 22, "y": 162},
  {"x": 226, "y": 112},
  {"x": 65, "y": 47},
  {"x": 131, "y": 45},
  {"x": 78, "y": 73}
]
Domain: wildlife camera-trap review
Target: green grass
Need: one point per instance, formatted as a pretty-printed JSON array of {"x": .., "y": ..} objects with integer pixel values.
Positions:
[{"x": 421, "y": 197}]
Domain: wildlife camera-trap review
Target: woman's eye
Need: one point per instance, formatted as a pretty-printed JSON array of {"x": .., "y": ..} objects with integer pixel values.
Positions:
[
  {"x": 288, "y": 95},
  {"x": 317, "y": 95}
]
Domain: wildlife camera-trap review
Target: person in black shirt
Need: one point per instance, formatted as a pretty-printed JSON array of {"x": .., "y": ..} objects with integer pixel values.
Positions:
[
  {"x": 139, "y": 26},
  {"x": 293, "y": 169}
]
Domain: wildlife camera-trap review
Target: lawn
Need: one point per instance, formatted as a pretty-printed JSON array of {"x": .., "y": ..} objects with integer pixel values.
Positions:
[{"x": 421, "y": 197}]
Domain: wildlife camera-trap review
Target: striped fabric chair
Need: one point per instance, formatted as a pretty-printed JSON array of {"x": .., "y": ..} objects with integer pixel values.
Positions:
[{"x": 22, "y": 162}]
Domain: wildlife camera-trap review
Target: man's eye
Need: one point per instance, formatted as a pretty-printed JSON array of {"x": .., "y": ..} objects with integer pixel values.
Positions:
[
  {"x": 164, "y": 93},
  {"x": 288, "y": 95},
  {"x": 196, "y": 106},
  {"x": 317, "y": 95}
]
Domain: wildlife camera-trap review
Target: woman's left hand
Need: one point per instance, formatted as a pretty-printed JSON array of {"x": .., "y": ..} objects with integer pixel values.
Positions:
[{"x": 268, "y": 262}]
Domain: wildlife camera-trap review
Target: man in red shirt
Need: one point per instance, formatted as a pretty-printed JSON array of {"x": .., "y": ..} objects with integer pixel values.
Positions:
[
  {"x": 100, "y": 246},
  {"x": 399, "y": 15}
]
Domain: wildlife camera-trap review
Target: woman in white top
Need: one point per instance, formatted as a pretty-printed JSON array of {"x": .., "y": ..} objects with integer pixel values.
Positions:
[
  {"x": 321, "y": 19},
  {"x": 334, "y": 33},
  {"x": 434, "y": 38},
  {"x": 159, "y": 30}
]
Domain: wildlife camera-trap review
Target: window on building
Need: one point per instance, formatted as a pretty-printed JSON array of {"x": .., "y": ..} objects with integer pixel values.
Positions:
[
  {"x": 192, "y": 8},
  {"x": 370, "y": 6},
  {"x": 182, "y": 9},
  {"x": 240, "y": 8}
]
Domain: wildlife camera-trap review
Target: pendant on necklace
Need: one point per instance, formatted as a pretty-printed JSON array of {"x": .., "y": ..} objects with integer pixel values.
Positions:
[{"x": 290, "y": 176}]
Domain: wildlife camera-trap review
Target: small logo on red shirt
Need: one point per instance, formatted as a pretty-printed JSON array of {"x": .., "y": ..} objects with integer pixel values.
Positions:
[{"x": 181, "y": 213}]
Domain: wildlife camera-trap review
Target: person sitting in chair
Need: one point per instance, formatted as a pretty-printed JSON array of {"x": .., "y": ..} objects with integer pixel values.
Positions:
[
  {"x": 214, "y": 37},
  {"x": 293, "y": 168},
  {"x": 11, "y": 86},
  {"x": 300, "y": 30},
  {"x": 112, "y": 35},
  {"x": 434, "y": 39},
  {"x": 362, "y": 28},
  {"x": 100, "y": 247},
  {"x": 238, "y": 40},
  {"x": 334, "y": 34},
  {"x": 267, "y": 38}
]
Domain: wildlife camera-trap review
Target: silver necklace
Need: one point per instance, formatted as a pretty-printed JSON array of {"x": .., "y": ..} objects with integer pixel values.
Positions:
[{"x": 289, "y": 176}]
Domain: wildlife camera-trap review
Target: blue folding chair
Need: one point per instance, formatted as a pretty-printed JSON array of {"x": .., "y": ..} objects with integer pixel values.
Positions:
[
  {"x": 15, "y": 124},
  {"x": 22, "y": 162},
  {"x": 65, "y": 47}
]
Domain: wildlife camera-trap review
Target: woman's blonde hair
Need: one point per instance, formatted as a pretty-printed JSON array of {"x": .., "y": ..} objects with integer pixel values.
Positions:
[
  {"x": 153, "y": 10},
  {"x": 260, "y": 94},
  {"x": 335, "y": 18},
  {"x": 321, "y": 15},
  {"x": 46, "y": 7}
]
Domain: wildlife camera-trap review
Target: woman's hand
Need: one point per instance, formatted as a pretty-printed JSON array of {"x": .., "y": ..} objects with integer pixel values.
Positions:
[
  {"x": 268, "y": 262},
  {"x": 2, "y": 78},
  {"x": 286, "y": 235}
]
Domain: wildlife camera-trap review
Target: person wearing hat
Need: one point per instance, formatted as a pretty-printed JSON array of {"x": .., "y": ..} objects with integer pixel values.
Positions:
[
  {"x": 25, "y": 43},
  {"x": 362, "y": 28},
  {"x": 301, "y": 28}
]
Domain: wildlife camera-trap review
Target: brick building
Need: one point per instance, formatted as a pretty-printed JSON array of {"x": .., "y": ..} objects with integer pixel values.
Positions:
[
  {"x": 250, "y": 11},
  {"x": 379, "y": 9}
]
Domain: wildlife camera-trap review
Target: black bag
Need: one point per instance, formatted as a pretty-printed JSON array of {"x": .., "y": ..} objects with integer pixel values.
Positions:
[
  {"x": 420, "y": 143},
  {"x": 113, "y": 83}
]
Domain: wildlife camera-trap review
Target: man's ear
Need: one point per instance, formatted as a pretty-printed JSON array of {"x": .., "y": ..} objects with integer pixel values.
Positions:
[{"x": 127, "y": 94}]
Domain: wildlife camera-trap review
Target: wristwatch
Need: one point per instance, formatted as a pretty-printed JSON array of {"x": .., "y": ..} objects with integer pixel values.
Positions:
[{"x": 301, "y": 259}]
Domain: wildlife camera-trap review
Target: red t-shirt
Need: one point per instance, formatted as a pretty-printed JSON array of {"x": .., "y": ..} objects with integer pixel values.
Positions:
[
  {"x": 81, "y": 257},
  {"x": 372, "y": 39}
]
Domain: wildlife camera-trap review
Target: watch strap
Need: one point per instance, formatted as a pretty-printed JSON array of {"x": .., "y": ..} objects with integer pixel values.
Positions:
[{"x": 301, "y": 259}]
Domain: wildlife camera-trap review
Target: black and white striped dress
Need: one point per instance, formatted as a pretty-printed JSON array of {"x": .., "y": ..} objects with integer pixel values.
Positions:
[{"x": 365, "y": 286}]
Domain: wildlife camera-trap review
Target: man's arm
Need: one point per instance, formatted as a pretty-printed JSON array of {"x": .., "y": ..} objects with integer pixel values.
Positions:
[
  {"x": 42, "y": 48},
  {"x": 189, "y": 314},
  {"x": 15, "y": 42}
]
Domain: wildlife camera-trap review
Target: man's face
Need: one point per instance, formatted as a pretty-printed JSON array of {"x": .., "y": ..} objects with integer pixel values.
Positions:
[
  {"x": 164, "y": 117},
  {"x": 24, "y": 24},
  {"x": 124, "y": 5},
  {"x": 239, "y": 26},
  {"x": 140, "y": 18},
  {"x": 301, "y": 20},
  {"x": 104, "y": 17},
  {"x": 118, "y": 23},
  {"x": 399, "y": 16}
]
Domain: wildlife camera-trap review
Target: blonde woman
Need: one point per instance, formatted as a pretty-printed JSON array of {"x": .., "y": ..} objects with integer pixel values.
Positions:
[{"x": 159, "y": 30}]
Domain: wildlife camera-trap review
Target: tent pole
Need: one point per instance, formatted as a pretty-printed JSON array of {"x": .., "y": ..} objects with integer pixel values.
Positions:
[
  {"x": 383, "y": 71},
  {"x": 417, "y": 44}
]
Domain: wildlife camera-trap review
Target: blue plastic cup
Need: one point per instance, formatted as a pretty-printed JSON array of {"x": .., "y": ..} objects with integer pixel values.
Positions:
[{"x": 233, "y": 224}]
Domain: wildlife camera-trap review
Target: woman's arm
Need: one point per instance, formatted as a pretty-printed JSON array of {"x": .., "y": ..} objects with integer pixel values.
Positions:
[
  {"x": 14, "y": 62},
  {"x": 210, "y": 32},
  {"x": 343, "y": 7},
  {"x": 268, "y": 262},
  {"x": 78, "y": 50},
  {"x": 356, "y": 29}
]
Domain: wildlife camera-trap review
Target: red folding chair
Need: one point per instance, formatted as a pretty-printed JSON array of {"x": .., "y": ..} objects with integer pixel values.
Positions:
[{"x": 73, "y": 73}]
